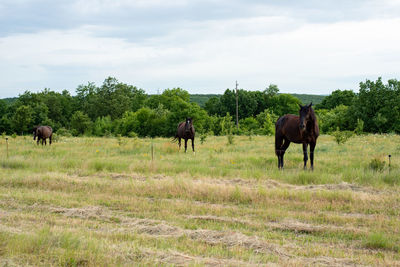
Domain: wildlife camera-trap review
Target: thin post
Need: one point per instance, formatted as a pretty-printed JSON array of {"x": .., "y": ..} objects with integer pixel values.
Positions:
[
  {"x": 7, "y": 145},
  {"x": 389, "y": 161},
  {"x": 237, "y": 107}
]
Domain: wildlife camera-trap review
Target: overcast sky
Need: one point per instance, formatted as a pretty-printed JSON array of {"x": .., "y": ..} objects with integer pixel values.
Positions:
[{"x": 202, "y": 46}]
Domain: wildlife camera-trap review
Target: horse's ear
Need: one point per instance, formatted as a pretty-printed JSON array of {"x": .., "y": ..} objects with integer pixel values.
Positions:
[
  {"x": 300, "y": 106},
  {"x": 310, "y": 105}
]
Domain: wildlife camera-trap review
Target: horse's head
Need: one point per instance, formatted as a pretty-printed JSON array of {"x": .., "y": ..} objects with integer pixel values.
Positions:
[
  {"x": 188, "y": 124},
  {"x": 305, "y": 116},
  {"x": 35, "y": 132}
]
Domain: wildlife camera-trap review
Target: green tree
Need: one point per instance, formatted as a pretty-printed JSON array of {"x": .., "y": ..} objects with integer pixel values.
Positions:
[
  {"x": 213, "y": 106},
  {"x": 337, "y": 118},
  {"x": 80, "y": 123},
  {"x": 338, "y": 97},
  {"x": 378, "y": 105},
  {"x": 22, "y": 119},
  {"x": 285, "y": 104},
  {"x": 266, "y": 121}
]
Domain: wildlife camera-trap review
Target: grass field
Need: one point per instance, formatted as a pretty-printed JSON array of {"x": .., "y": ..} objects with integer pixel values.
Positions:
[{"x": 104, "y": 201}]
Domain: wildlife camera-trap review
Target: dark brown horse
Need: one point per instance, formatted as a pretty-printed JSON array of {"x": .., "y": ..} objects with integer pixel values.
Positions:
[
  {"x": 42, "y": 133},
  {"x": 186, "y": 131},
  {"x": 301, "y": 129}
]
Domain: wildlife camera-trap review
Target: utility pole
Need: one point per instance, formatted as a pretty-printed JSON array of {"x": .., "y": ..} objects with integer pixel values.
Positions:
[{"x": 237, "y": 107}]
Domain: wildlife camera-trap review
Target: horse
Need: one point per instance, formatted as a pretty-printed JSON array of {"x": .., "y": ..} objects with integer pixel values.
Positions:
[
  {"x": 186, "y": 131},
  {"x": 42, "y": 132},
  {"x": 301, "y": 129}
]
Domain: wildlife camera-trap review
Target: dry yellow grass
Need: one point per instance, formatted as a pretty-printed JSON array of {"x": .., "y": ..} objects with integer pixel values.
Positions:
[{"x": 99, "y": 201}]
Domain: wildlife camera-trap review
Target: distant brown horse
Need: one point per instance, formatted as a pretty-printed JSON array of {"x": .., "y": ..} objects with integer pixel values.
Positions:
[
  {"x": 42, "y": 133},
  {"x": 301, "y": 129},
  {"x": 186, "y": 131}
]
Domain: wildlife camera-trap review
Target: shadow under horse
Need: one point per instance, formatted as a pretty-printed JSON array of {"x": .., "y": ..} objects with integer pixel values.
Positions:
[
  {"x": 42, "y": 133},
  {"x": 185, "y": 131},
  {"x": 301, "y": 129}
]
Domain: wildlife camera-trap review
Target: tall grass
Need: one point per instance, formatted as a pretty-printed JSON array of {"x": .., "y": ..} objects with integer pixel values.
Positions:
[{"x": 104, "y": 201}]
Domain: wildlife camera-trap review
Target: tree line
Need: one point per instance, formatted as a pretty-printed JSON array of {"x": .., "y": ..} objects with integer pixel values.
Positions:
[{"x": 116, "y": 108}]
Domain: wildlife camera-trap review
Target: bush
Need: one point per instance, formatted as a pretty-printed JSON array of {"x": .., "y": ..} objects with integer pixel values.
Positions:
[
  {"x": 341, "y": 137},
  {"x": 55, "y": 137},
  {"x": 203, "y": 138},
  {"x": 132, "y": 134},
  {"x": 377, "y": 164},
  {"x": 64, "y": 132},
  {"x": 359, "y": 127},
  {"x": 230, "y": 138}
]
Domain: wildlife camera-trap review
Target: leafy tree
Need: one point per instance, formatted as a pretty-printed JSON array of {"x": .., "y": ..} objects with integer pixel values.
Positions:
[
  {"x": 337, "y": 118},
  {"x": 378, "y": 106},
  {"x": 285, "y": 104},
  {"x": 249, "y": 125},
  {"x": 3, "y": 107},
  {"x": 80, "y": 123},
  {"x": 22, "y": 119},
  {"x": 5, "y": 124},
  {"x": 338, "y": 97},
  {"x": 213, "y": 106},
  {"x": 111, "y": 99},
  {"x": 266, "y": 121},
  {"x": 102, "y": 126},
  {"x": 272, "y": 90}
]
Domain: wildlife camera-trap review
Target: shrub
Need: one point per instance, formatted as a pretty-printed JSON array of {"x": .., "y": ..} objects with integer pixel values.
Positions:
[
  {"x": 359, "y": 127},
  {"x": 341, "y": 137},
  {"x": 377, "y": 164},
  {"x": 203, "y": 138},
  {"x": 64, "y": 132},
  {"x": 230, "y": 137},
  {"x": 132, "y": 134},
  {"x": 55, "y": 137},
  {"x": 14, "y": 135}
]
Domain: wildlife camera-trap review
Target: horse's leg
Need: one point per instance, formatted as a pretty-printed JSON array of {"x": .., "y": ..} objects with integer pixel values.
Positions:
[
  {"x": 50, "y": 139},
  {"x": 37, "y": 142},
  {"x": 45, "y": 142},
  {"x": 283, "y": 150},
  {"x": 305, "y": 155},
  {"x": 312, "y": 147},
  {"x": 278, "y": 145},
  {"x": 193, "y": 144},
  {"x": 185, "y": 145}
]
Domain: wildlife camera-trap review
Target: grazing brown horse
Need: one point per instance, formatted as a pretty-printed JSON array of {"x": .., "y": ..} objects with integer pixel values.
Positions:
[
  {"x": 301, "y": 129},
  {"x": 186, "y": 131},
  {"x": 42, "y": 132}
]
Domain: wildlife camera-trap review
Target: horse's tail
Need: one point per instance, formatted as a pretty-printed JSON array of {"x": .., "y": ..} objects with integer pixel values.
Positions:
[
  {"x": 175, "y": 138},
  {"x": 278, "y": 134}
]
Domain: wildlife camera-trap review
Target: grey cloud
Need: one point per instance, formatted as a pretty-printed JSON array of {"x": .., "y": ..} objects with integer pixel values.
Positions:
[{"x": 136, "y": 22}]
